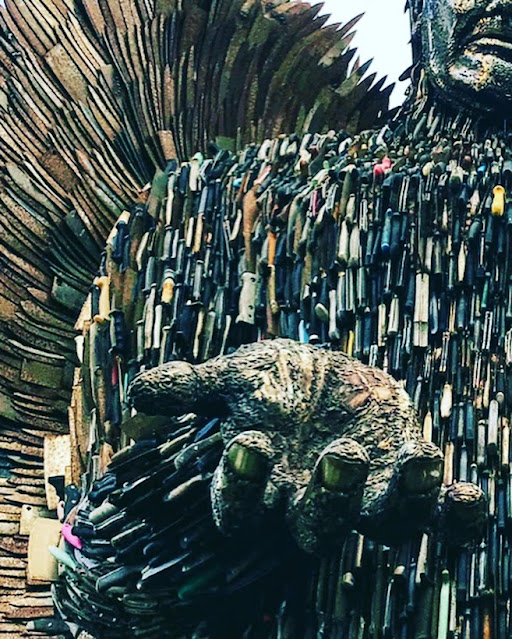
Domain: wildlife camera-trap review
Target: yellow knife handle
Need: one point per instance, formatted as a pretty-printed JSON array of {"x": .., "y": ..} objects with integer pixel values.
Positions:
[
  {"x": 103, "y": 283},
  {"x": 498, "y": 202}
]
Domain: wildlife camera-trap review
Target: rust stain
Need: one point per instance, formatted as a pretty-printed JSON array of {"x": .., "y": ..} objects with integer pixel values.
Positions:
[
  {"x": 359, "y": 399},
  {"x": 382, "y": 393}
]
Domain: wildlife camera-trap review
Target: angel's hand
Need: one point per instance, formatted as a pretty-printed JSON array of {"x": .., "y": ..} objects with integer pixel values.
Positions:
[{"x": 328, "y": 441}]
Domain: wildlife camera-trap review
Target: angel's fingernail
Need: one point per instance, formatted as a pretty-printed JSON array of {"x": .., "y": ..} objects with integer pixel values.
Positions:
[
  {"x": 421, "y": 475},
  {"x": 341, "y": 474},
  {"x": 246, "y": 462}
]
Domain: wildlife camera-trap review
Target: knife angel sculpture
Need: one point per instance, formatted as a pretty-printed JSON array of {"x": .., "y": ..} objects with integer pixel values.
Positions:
[{"x": 137, "y": 141}]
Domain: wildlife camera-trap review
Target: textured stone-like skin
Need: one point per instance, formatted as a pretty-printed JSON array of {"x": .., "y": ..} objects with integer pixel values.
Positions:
[
  {"x": 291, "y": 406},
  {"x": 465, "y": 47}
]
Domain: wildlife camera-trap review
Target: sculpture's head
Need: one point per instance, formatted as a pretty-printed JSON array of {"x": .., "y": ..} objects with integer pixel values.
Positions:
[{"x": 465, "y": 47}]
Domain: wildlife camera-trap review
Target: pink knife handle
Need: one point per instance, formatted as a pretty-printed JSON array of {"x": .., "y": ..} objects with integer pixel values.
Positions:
[{"x": 70, "y": 538}]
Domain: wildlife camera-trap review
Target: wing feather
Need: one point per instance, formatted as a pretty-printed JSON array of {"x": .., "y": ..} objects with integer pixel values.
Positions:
[{"x": 95, "y": 98}]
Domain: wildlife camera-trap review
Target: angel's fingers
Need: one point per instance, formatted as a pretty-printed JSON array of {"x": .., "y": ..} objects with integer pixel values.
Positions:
[
  {"x": 329, "y": 506},
  {"x": 239, "y": 483},
  {"x": 179, "y": 387}
]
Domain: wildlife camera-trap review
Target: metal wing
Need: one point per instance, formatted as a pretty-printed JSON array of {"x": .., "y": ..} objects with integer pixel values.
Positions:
[{"x": 95, "y": 98}]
